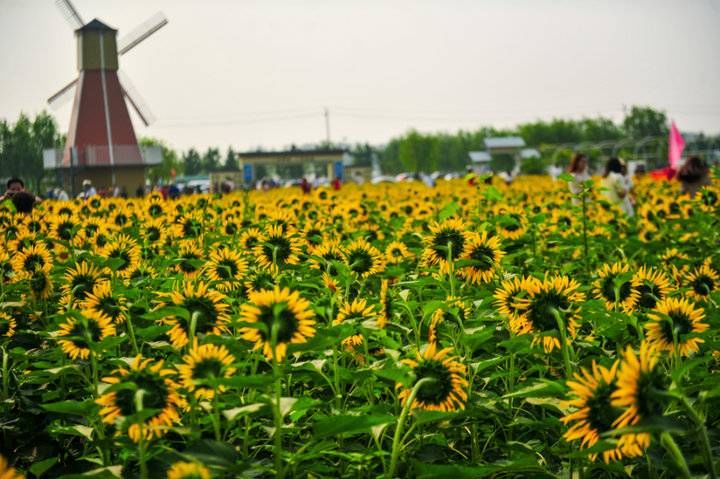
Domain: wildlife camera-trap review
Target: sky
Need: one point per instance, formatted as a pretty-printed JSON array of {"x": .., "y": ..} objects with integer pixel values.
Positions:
[{"x": 260, "y": 73}]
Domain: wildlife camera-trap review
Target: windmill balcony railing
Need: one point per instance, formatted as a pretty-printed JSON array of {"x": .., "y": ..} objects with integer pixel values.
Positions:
[{"x": 98, "y": 156}]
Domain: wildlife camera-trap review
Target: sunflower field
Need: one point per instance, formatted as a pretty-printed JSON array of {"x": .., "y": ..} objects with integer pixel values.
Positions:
[{"x": 393, "y": 330}]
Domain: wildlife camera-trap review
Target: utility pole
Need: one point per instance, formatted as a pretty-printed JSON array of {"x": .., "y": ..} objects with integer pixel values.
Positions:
[{"x": 327, "y": 126}]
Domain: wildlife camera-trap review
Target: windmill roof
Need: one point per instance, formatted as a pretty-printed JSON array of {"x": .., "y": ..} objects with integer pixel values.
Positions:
[{"x": 95, "y": 25}]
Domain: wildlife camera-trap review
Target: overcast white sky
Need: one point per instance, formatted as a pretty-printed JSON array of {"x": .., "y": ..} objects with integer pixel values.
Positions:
[{"x": 253, "y": 73}]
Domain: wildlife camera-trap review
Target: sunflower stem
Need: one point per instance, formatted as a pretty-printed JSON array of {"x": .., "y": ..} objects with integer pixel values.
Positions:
[
  {"x": 397, "y": 443},
  {"x": 671, "y": 447},
  {"x": 131, "y": 333},
  {"x": 702, "y": 435},
  {"x": 586, "y": 254},
  {"x": 564, "y": 345},
  {"x": 277, "y": 413},
  {"x": 5, "y": 373}
]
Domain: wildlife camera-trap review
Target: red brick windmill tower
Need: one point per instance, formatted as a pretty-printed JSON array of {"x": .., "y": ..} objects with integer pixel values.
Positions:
[{"x": 101, "y": 143}]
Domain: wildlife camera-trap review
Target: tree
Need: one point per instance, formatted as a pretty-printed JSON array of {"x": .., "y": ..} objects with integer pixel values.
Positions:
[
  {"x": 642, "y": 122},
  {"x": 211, "y": 160},
  {"x": 169, "y": 164},
  {"x": 231, "y": 161},
  {"x": 22, "y": 145},
  {"x": 192, "y": 162}
]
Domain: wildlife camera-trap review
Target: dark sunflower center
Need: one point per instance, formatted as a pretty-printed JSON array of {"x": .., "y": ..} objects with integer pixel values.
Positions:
[
  {"x": 649, "y": 295},
  {"x": 191, "y": 228},
  {"x": 231, "y": 228},
  {"x": 65, "y": 230},
  {"x": 679, "y": 325},
  {"x": 123, "y": 255},
  {"x": 205, "y": 312},
  {"x": 121, "y": 219},
  {"x": 79, "y": 332},
  {"x": 360, "y": 261},
  {"x": 226, "y": 269},
  {"x": 703, "y": 285},
  {"x": 287, "y": 323},
  {"x": 155, "y": 396},
  {"x": 437, "y": 391},
  {"x": 277, "y": 250},
  {"x": 186, "y": 264},
  {"x": 608, "y": 289},
  {"x": 541, "y": 309},
  {"x": 602, "y": 414},
  {"x": 396, "y": 252},
  {"x": 82, "y": 285},
  {"x": 155, "y": 210},
  {"x": 4, "y": 326},
  {"x": 34, "y": 262},
  {"x": 153, "y": 233},
  {"x": 109, "y": 306},
  {"x": 484, "y": 256},
  {"x": 445, "y": 240},
  {"x": 207, "y": 368}
]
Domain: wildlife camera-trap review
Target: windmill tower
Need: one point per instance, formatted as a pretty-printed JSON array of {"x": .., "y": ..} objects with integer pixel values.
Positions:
[{"x": 101, "y": 143}]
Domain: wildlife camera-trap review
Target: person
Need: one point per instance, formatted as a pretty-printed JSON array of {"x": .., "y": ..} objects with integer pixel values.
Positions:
[
  {"x": 693, "y": 175},
  {"x": 616, "y": 186},
  {"x": 305, "y": 186},
  {"x": 88, "y": 190},
  {"x": 60, "y": 194},
  {"x": 336, "y": 183},
  {"x": 140, "y": 191},
  {"x": 14, "y": 186},
  {"x": 578, "y": 168}
]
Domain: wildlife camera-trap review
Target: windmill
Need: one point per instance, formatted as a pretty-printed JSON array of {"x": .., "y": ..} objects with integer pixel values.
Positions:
[{"x": 101, "y": 143}]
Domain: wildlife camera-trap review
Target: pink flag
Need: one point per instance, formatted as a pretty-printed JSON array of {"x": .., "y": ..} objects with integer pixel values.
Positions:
[{"x": 676, "y": 147}]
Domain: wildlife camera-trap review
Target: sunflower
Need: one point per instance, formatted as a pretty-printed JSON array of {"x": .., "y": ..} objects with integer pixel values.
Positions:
[
  {"x": 125, "y": 252},
  {"x": 205, "y": 362},
  {"x": 189, "y": 259},
  {"x": 250, "y": 238},
  {"x": 396, "y": 252},
  {"x": 673, "y": 324},
  {"x": 67, "y": 228},
  {"x": 104, "y": 303},
  {"x": 188, "y": 470},
  {"x": 702, "y": 281},
  {"x": 447, "y": 392},
  {"x": 386, "y": 304},
  {"x": 82, "y": 333},
  {"x": 188, "y": 227},
  {"x": 323, "y": 256},
  {"x": 206, "y": 308},
  {"x": 363, "y": 259},
  {"x": 485, "y": 254},
  {"x": 649, "y": 287},
  {"x": 277, "y": 249},
  {"x": 555, "y": 295},
  {"x": 7, "y": 325},
  {"x": 458, "y": 304},
  {"x": 80, "y": 281},
  {"x": 356, "y": 312},
  {"x": 280, "y": 310},
  {"x": 144, "y": 385},
  {"x": 8, "y": 472},
  {"x": 154, "y": 231},
  {"x": 438, "y": 317},
  {"x": 35, "y": 258},
  {"x": 594, "y": 412},
  {"x": 512, "y": 297},
  {"x": 226, "y": 267},
  {"x": 511, "y": 223},
  {"x": 639, "y": 380},
  {"x": 446, "y": 239},
  {"x": 612, "y": 294}
]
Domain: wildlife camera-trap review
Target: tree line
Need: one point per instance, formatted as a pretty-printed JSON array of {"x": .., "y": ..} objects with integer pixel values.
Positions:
[{"x": 21, "y": 146}]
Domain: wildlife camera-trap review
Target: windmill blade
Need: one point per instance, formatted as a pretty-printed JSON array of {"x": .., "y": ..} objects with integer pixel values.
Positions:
[
  {"x": 70, "y": 13},
  {"x": 135, "y": 100},
  {"x": 63, "y": 95},
  {"x": 141, "y": 32}
]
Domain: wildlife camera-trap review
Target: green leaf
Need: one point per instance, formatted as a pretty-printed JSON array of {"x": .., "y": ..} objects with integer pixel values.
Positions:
[
  {"x": 566, "y": 177},
  {"x": 448, "y": 211},
  {"x": 41, "y": 467},
  {"x": 212, "y": 453},
  {"x": 237, "y": 412},
  {"x": 336, "y": 425},
  {"x": 81, "y": 408},
  {"x": 539, "y": 388}
]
